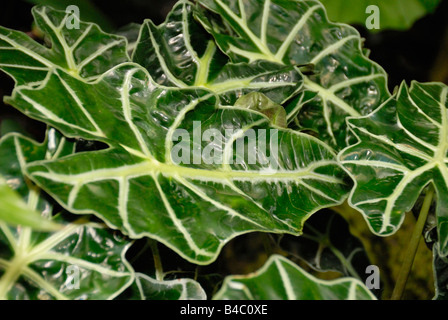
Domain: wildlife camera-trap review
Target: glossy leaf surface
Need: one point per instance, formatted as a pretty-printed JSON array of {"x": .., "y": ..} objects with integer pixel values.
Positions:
[
  {"x": 402, "y": 147},
  {"x": 86, "y": 52},
  {"x": 181, "y": 53},
  {"x": 80, "y": 260},
  {"x": 280, "y": 279},
  {"x": 344, "y": 81},
  {"x": 22, "y": 203},
  {"x": 193, "y": 205}
]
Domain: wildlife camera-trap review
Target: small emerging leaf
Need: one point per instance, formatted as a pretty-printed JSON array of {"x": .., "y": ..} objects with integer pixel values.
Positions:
[
  {"x": 138, "y": 186},
  {"x": 259, "y": 102}
]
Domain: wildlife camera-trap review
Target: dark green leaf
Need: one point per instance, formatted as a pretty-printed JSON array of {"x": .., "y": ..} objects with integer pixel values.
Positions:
[
  {"x": 80, "y": 260},
  {"x": 280, "y": 279},
  {"x": 440, "y": 265},
  {"x": 88, "y": 11},
  {"x": 85, "y": 53},
  {"x": 193, "y": 205},
  {"x": 344, "y": 81},
  {"x": 180, "y": 53},
  {"x": 327, "y": 245},
  {"x": 402, "y": 147}
]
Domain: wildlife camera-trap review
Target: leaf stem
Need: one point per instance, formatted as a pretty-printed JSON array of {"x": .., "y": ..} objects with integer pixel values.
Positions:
[
  {"x": 267, "y": 245},
  {"x": 157, "y": 261},
  {"x": 12, "y": 273},
  {"x": 408, "y": 261}
]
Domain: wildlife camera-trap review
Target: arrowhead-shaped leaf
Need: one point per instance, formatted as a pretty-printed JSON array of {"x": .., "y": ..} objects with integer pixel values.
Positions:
[
  {"x": 86, "y": 52},
  {"x": 139, "y": 187},
  {"x": 280, "y": 279},
  {"x": 402, "y": 148},
  {"x": 344, "y": 81},
  {"x": 181, "y": 53}
]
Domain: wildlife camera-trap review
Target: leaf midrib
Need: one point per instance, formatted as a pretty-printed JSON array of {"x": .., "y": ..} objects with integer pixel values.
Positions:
[{"x": 154, "y": 167}]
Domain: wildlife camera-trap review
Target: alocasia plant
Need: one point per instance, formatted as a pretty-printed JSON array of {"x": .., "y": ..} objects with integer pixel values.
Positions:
[
  {"x": 181, "y": 53},
  {"x": 280, "y": 279},
  {"x": 166, "y": 115},
  {"x": 85, "y": 53},
  {"x": 402, "y": 147},
  {"x": 34, "y": 263},
  {"x": 138, "y": 163},
  {"x": 344, "y": 82}
]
